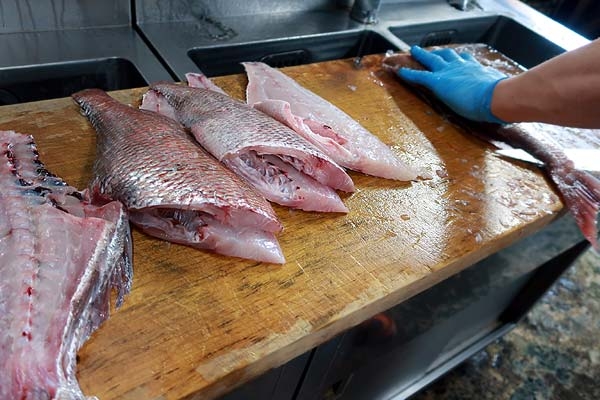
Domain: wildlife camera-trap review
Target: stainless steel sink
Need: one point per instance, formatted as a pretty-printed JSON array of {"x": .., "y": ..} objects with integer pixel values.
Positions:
[
  {"x": 54, "y": 80},
  {"x": 223, "y": 60},
  {"x": 500, "y": 32},
  {"x": 215, "y": 38}
]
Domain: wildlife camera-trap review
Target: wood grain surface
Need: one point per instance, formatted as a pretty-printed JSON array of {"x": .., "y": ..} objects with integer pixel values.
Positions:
[{"x": 198, "y": 324}]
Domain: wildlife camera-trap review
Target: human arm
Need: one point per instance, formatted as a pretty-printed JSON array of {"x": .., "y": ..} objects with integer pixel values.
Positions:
[{"x": 564, "y": 90}]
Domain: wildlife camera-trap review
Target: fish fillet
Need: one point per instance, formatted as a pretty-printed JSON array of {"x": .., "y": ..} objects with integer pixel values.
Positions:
[
  {"x": 326, "y": 126},
  {"x": 59, "y": 258},
  {"x": 171, "y": 187},
  {"x": 579, "y": 189},
  {"x": 285, "y": 168}
]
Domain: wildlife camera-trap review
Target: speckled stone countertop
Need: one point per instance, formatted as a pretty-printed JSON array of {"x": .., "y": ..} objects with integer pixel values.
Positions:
[{"x": 553, "y": 353}]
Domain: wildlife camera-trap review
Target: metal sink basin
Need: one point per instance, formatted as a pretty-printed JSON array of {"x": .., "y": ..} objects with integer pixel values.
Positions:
[
  {"x": 502, "y": 33},
  {"x": 49, "y": 81},
  {"x": 223, "y": 60}
]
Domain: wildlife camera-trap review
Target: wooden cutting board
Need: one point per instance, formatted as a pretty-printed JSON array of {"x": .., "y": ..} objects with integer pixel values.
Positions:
[{"x": 198, "y": 324}]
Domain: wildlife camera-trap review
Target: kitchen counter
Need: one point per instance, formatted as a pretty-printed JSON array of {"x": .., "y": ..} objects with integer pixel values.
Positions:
[
  {"x": 551, "y": 354},
  {"x": 34, "y": 48},
  {"x": 197, "y": 324}
]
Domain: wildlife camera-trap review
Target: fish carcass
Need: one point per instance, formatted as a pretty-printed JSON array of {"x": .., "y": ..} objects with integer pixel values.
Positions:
[
  {"x": 171, "y": 187},
  {"x": 333, "y": 131},
  {"x": 284, "y": 167},
  {"x": 579, "y": 189},
  {"x": 60, "y": 257}
]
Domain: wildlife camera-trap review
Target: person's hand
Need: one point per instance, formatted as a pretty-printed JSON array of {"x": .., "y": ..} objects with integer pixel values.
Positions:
[{"x": 458, "y": 80}]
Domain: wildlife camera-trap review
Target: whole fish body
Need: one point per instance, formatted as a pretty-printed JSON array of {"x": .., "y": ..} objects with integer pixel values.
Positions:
[
  {"x": 285, "y": 168},
  {"x": 579, "y": 189},
  {"x": 60, "y": 257},
  {"x": 326, "y": 126},
  {"x": 171, "y": 187}
]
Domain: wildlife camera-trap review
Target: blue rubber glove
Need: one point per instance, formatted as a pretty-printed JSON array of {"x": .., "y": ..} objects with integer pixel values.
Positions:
[{"x": 458, "y": 80}]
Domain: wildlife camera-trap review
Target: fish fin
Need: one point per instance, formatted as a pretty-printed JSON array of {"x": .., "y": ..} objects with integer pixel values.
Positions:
[
  {"x": 279, "y": 110},
  {"x": 155, "y": 102},
  {"x": 581, "y": 192},
  {"x": 199, "y": 80}
]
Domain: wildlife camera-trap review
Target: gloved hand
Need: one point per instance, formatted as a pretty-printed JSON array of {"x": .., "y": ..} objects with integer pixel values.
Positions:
[{"x": 458, "y": 80}]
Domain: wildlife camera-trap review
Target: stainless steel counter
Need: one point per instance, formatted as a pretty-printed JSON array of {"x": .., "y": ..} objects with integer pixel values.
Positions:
[
  {"x": 174, "y": 39},
  {"x": 59, "y": 46},
  {"x": 164, "y": 39},
  {"x": 55, "y": 48}
]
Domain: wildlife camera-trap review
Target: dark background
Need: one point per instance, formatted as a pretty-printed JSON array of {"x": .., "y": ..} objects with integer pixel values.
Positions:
[{"x": 582, "y": 16}]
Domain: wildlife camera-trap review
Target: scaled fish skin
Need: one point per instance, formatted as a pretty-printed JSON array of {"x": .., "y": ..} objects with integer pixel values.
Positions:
[
  {"x": 579, "y": 189},
  {"x": 59, "y": 258},
  {"x": 285, "y": 168},
  {"x": 326, "y": 126},
  {"x": 171, "y": 187}
]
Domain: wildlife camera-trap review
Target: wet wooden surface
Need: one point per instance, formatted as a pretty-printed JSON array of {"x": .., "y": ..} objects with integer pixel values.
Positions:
[{"x": 197, "y": 324}]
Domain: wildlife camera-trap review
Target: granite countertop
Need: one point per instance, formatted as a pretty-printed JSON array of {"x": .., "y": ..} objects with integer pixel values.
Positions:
[{"x": 553, "y": 353}]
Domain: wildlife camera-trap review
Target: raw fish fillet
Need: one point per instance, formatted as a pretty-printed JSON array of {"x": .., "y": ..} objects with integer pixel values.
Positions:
[
  {"x": 171, "y": 187},
  {"x": 330, "y": 129},
  {"x": 579, "y": 189},
  {"x": 59, "y": 259},
  {"x": 285, "y": 168}
]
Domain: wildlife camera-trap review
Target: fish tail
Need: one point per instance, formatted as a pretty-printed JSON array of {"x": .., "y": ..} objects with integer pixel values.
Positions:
[{"x": 581, "y": 192}]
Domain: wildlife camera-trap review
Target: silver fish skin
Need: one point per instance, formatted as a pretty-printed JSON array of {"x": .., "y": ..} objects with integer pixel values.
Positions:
[
  {"x": 60, "y": 257},
  {"x": 326, "y": 126},
  {"x": 171, "y": 187},
  {"x": 284, "y": 167}
]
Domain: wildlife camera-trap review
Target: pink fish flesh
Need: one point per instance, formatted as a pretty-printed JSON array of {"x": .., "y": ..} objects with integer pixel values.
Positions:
[
  {"x": 171, "y": 187},
  {"x": 59, "y": 259},
  {"x": 285, "y": 168},
  {"x": 579, "y": 189},
  {"x": 326, "y": 126}
]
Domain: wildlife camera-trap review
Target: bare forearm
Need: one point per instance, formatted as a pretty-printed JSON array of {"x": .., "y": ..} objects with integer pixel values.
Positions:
[{"x": 562, "y": 91}]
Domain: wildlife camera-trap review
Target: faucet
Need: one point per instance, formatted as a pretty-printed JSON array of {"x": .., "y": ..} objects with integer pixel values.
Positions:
[
  {"x": 462, "y": 5},
  {"x": 365, "y": 11}
]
